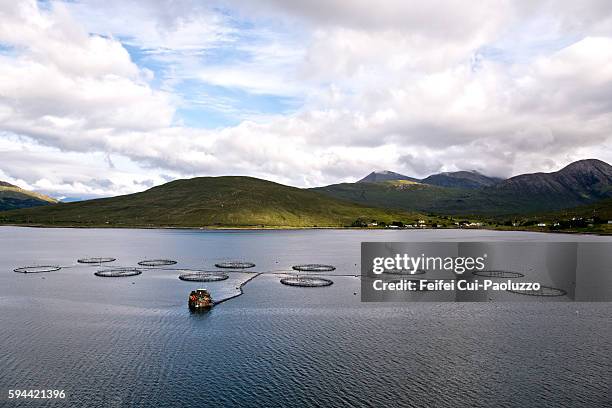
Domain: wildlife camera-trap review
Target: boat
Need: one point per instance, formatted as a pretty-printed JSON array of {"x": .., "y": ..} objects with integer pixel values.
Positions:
[{"x": 200, "y": 299}]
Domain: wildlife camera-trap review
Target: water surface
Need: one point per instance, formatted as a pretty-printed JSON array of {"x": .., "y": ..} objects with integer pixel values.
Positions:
[{"x": 132, "y": 341}]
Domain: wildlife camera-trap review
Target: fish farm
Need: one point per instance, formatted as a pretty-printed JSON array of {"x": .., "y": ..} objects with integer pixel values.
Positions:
[
  {"x": 95, "y": 260},
  {"x": 306, "y": 282},
  {"x": 118, "y": 272},
  {"x": 37, "y": 269},
  {"x": 314, "y": 268},
  {"x": 157, "y": 262},
  {"x": 235, "y": 265},
  {"x": 309, "y": 275},
  {"x": 203, "y": 276},
  {"x": 545, "y": 291}
]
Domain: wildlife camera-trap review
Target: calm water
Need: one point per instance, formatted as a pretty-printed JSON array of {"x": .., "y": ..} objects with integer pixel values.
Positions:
[{"x": 132, "y": 341}]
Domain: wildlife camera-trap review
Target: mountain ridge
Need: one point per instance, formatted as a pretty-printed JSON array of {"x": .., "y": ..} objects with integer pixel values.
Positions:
[
  {"x": 385, "y": 175},
  {"x": 14, "y": 197},
  {"x": 247, "y": 201},
  {"x": 461, "y": 179},
  {"x": 578, "y": 183},
  {"x": 453, "y": 179},
  {"x": 583, "y": 177}
]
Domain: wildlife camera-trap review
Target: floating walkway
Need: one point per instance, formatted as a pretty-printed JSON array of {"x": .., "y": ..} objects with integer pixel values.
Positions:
[{"x": 250, "y": 278}]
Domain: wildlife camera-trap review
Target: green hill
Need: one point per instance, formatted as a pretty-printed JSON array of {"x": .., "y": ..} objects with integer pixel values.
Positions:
[
  {"x": 210, "y": 202},
  {"x": 12, "y": 197},
  {"x": 591, "y": 218},
  {"x": 599, "y": 212}
]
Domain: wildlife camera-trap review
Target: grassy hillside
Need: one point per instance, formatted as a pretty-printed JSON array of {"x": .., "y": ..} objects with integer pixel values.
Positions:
[
  {"x": 591, "y": 218},
  {"x": 596, "y": 213},
  {"x": 397, "y": 194},
  {"x": 601, "y": 209},
  {"x": 210, "y": 202},
  {"x": 12, "y": 197},
  {"x": 488, "y": 201}
]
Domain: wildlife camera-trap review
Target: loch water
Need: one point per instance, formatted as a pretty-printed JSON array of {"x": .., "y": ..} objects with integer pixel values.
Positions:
[{"x": 132, "y": 341}]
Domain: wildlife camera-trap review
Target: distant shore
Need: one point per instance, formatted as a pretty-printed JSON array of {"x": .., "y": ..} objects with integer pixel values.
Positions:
[{"x": 605, "y": 232}]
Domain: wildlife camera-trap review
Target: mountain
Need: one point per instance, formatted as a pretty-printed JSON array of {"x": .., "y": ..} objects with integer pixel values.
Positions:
[
  {"x": 210, "y": 201},
  {"x": 250, "y": 202},
  {"x": 385, "y": 175},
  {"x": 583, "y": 180},
  {"x": 457, "y": 179},
  {"x": 580, "y": 183},
  {"x": 12, "y": 197},
  {"x": 461, "y": 179},
  {"x": 400, "y": 194}
]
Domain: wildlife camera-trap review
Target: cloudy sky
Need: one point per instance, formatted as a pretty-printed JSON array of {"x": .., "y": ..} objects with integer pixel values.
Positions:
[{"x": 106, "y": 97}]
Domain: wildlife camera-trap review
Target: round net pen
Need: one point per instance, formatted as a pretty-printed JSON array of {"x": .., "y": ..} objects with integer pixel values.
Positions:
[
  {"x": 306, "y": 282},
  {"x": 544, "y": 291},
  {"x": 157, "y": 262},
  {"x": 235, "y": 265},
  {"x": 118, "y": 272},
  {"x": 314, "y": 268},
  {"x": 203, "y": 276},
  {"x": 309, "y": 281},
  {"x": 95, "y": 260},
  {"x": 499, "y": 274},
  {"x": 37, "y": 269}
]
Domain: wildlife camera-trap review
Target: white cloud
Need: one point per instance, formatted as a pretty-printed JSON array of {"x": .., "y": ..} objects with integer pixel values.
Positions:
[
  {"x": 156, "y": 26},
  {"x": 70, "y": 89},
  {"x": 418, "y": 89},
  {"x": 70, "y": 174}
]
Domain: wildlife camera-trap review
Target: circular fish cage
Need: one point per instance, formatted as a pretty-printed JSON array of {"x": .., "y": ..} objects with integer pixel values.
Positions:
[
  {"x": 499, "y": 274},
  {"x": 314, "y": 268},
  {"x": 306, "y": 282},
  {"x": 96, "y": 260},
  {"x": 118, "y": 272},
  {"x": 235, "y": 265},
  {"x": 544, "y": 291},
  {"x": 403, "y": 272},
  {"x": 203, "y": 276},
  {"x": 37, "y": 269},
  {"x": 157, "y": 262}
]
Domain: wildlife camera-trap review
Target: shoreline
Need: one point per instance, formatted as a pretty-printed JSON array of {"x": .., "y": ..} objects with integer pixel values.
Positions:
[{"x": 290, "y": 228}]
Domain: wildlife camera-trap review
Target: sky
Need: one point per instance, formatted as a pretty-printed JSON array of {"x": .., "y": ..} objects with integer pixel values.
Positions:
[{"x": 101, "y": 98}]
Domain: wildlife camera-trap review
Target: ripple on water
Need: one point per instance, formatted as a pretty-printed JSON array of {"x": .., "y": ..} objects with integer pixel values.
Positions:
[{"x": 133, "y": 342}]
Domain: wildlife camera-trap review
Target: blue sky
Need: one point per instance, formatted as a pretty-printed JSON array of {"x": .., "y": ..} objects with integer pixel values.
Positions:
[
  {"x": 205, "y": 105},
  {"x": 208, "y": 105}
]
